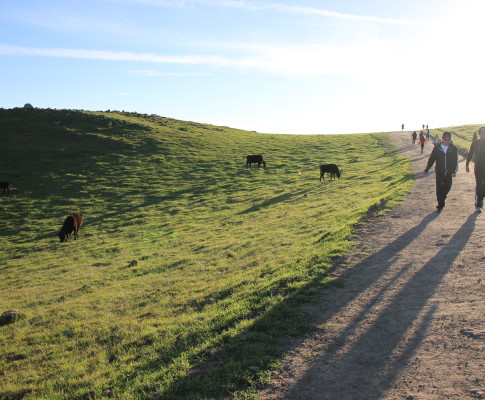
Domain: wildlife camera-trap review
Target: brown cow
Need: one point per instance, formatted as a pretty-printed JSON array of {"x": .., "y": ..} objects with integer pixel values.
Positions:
[
  {"x": 332, "y": 169},
  {"x": 5, "y": 186},
  {"x": 72, "y": 224},
  {"x": 255, "y": 159}
]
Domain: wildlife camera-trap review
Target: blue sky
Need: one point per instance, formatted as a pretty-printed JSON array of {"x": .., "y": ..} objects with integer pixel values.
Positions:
[{"x": 282, "y": 66}]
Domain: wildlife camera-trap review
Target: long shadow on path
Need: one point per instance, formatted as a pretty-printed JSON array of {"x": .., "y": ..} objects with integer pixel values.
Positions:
[{"x": 369, "y": 354}]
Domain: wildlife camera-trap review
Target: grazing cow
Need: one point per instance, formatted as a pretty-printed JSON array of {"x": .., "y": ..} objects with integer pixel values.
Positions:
[
  {"x": 255, "y": 159},
  {"x": 5, "y": 186},
  {"x": 332, "y": 169},
  {"x": 72, "y": 224}
]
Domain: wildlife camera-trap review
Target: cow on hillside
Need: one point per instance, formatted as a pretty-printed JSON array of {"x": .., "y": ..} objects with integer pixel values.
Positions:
[
  {"x": 332, "y": 169},
  {"x": 72, "y": 224},
  {"x": 5, "y": 186},
  {"x": 255, "y": 159}
]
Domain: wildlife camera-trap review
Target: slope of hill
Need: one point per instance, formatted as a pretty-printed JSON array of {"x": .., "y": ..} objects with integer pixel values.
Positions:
[
  {"x": 189, "y": 267},
  {"x": 408, "y": 323}
]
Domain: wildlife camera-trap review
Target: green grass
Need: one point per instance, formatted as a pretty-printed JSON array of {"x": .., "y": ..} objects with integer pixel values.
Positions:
[{"x": 226, "y": 256}]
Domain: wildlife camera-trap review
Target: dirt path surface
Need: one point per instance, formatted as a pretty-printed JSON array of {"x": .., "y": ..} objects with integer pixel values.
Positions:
[{"x": 409, "y": 322}]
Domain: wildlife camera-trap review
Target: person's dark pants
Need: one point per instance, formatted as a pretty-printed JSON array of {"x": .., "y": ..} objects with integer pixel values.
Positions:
[
  {"x": 480, "y": 188},
  {"x": 443, "y": 186}
]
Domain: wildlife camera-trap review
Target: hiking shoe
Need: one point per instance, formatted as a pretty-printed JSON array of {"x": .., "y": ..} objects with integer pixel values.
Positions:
[
  {"x": 439, "y": 209},
  {"x": 479, "y": 210}
]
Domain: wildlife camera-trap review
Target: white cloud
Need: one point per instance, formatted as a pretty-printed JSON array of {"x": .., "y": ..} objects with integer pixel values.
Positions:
[
  {"x": 357, "y": 60},
  {"x": 309, "y": 11},
  {"x": 261, "y": 6},
  {"x": 113, "y": 55},
  {"x": 148, "y": 73}
]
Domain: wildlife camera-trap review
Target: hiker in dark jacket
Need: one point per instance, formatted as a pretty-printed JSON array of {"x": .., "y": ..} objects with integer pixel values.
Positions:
[
  {"x": 477, "y": 152},
  {"x": 446, "y": 157},
  {"x": 422, "y": 141},
  {"x": 414, "y": 135}
]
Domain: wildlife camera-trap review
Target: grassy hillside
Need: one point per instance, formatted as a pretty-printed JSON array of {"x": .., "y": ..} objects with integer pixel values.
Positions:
[{"x": 225, "y": 256}]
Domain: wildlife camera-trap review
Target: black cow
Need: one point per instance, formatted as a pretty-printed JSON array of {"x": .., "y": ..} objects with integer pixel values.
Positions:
[
  {"x": 5, "y": 186},
  {"x": 255, "y": 159},
  {"x": 332, "y": 169},
  {"x": 72, "y": 224}
]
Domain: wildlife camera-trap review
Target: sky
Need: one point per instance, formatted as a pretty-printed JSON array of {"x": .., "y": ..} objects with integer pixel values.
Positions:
[{"x": 271, "y": 66}]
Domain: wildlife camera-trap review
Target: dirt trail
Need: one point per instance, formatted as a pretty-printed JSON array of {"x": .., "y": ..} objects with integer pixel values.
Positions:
[{"x": 409, "y": 322}]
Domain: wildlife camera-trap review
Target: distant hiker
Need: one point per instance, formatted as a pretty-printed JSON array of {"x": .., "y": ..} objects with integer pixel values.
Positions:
[
  {"x": 477, "y": 151},
  {"x": 426, "y": 126},
  {"x": 414, "y": 135},
  {"x": 427, "y": 134},
  {"x": 422, "y": 141},
  {"x": 445, "y": 155},
  {"x": 402, "y": 127},
  {"x": 436, "y": 140}
]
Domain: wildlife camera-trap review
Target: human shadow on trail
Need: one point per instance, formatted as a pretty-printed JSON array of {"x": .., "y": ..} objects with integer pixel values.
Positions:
[
  {"x": 283, "y": 319},
  {"x": 372, "y": 362},
  {"x": 406, "y": 148}
]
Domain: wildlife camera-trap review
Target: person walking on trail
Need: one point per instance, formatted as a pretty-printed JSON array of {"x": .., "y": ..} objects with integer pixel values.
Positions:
[
  {"x": 422, "y": 141},
  {"x": 445, "y": 155},
  {"x": 414, "y": 135},
  {"x": 477, "y": 152},
  {"x": 436, "y": 140},
  {"x": 402, "y": 127}
]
